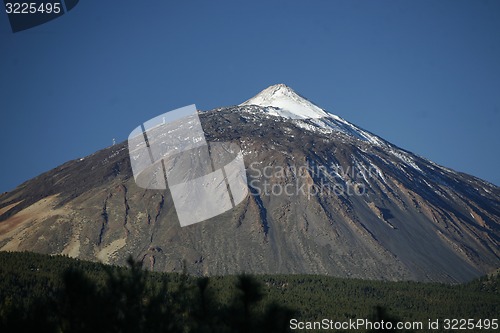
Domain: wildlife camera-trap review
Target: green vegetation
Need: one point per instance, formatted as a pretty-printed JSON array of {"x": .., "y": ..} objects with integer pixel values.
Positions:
[{"x": 43, "y": 293}]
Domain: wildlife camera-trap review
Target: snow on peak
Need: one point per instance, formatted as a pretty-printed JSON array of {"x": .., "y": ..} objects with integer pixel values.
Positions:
[
  {"x": 280, "y": 100},
  {"x": 286, "y": 103}
]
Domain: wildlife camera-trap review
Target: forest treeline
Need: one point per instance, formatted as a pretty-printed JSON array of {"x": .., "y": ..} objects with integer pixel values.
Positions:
[{"x": 41, "y": 293}]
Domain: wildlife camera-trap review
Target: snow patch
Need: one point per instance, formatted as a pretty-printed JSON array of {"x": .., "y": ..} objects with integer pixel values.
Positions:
[
  {"x": 281, "y": 101},
  {"x": 286, "y": 103},
  {"x": 406, "y": 158}
]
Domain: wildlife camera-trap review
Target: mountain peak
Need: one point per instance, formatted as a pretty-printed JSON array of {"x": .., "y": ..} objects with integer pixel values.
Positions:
[
  {"x": 281, "y": 100},
  {"x": 280, "y": 86},
  {"x": 287, "y": 101}
]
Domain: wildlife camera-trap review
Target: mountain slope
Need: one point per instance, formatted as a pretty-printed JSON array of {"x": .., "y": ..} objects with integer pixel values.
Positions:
[{"x": 327, "y": 198}]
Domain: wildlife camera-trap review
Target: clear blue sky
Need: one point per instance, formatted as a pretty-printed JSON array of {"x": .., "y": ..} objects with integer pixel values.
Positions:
[{"x": 424, "y": 75}]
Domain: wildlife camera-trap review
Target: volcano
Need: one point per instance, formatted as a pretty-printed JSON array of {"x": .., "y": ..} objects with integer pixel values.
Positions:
[{"x": 325, "y": 197}]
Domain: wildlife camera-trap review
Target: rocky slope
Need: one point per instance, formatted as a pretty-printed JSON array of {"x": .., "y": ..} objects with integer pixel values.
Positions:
[{"x": 327, "y": 197}]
